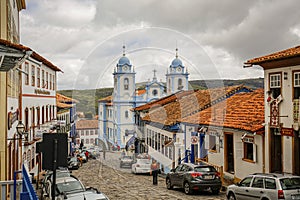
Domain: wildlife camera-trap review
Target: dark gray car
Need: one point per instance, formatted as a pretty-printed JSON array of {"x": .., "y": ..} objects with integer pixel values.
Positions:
[{"x": 192, "y": 177}]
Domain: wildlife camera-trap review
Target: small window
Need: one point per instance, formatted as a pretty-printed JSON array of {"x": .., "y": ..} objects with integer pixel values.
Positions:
[
  {"x": 296, "y": 85},
  {"x": 154, "y": 92},
  {"x": 32, "y": 75},
  {"x": 275, "y": 81},
  {"x": 180, "y": 86},
  {"x": 27, "y": 74},
  {"x": 126, "y": 83},
  {"x": 249, "y": 148},
  {"x": 126, "y": 114},
  {"x": 38, "y": 77}
]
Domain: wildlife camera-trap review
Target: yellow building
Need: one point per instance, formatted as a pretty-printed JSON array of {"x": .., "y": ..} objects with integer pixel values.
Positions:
[{"x": 9, "y": 30}]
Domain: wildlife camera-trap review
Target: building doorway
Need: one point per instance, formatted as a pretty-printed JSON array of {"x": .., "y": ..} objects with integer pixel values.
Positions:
[
  {"x": 228, "y": 152},
  {"x": 276, "y": 153},
  {"x": 296, "y": 162}
]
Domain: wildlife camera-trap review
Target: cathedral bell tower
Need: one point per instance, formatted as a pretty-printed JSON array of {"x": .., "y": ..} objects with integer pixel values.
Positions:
[
  {"x": 123, "y": 101},
  {"x": 177, "y": 76},
  {"x": 124, "y": 80}
]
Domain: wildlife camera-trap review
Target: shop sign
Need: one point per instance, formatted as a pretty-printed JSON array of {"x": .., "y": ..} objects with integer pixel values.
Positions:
[
  {"x": 287, "y": 131},
  {"x": 12, "y": 118},
  {"x": 39, "y": 91}
]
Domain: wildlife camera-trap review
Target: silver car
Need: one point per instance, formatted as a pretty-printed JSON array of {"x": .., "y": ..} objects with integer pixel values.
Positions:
[{"x": 266, "y": 186}]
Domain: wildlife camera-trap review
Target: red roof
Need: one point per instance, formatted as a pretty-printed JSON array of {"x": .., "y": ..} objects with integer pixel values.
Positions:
[
  {"x": 34, "y": 54},
  {"x": 87, "y": 124},
  {"x": 241, "y": 111},
  {"x": 288, "y": 53},
  {"x": 172, "y": 111},
  {"x": 164, "y": 100}
]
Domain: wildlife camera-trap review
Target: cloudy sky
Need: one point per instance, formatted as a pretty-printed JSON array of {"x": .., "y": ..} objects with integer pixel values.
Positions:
[{"x": 214, "y": 38}]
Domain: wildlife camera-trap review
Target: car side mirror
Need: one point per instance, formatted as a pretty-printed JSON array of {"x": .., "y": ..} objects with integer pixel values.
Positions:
[{"x": 238, "y": 184}]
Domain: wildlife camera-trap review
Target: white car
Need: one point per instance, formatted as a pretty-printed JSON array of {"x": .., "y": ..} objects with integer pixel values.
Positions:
[{"x": 141, "y": 166}]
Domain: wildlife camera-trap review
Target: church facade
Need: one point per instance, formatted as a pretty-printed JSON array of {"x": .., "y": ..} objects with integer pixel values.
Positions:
[{"x": 116, "y": 119}]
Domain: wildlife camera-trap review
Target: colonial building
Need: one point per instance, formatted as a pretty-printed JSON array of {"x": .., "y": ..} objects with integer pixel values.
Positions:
[
  {"x": 87, "y": 132},
  {"x": 229, "y": 134},
  {"x": 116, "y": 121},
  {"x": 66, "y": 118},
  {"x": 174, "y": 133},
  {"x": 282, "y": 90},
  {"x": 30, "y": 101},
  {"x": 10, "y": 58}
]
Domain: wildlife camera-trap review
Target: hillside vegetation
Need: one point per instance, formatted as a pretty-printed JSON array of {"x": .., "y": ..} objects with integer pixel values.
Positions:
[{"x": 88, "y": 99}]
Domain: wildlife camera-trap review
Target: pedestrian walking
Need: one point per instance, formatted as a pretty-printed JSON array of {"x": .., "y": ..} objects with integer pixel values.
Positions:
[
  {"x": 86, "y": 153},
  {"x": 103, "y": 154},
  {"x": 154, "y": 171}
]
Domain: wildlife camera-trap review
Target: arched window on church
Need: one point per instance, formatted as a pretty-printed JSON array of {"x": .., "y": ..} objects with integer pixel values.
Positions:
[
  {"x": 180, "y": 84},
  {"x": 126, "y": 83}
]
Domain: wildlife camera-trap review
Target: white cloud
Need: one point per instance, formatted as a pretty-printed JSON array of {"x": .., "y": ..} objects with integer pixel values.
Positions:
[{"x": 215, "y": 38}]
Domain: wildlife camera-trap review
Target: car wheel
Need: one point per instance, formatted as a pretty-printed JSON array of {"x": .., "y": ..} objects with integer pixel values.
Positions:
[
  {"x": 187, "y": 188},
  {"x": 169, "y": 184},
  {"x": 231, "y": 196},
  {"x": 215, "y": 190}
]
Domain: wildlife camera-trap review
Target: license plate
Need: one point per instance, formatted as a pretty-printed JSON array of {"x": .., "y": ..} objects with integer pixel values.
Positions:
[
  {"x": 295, "y": 196},
  {"x": 208, "y": 177}
]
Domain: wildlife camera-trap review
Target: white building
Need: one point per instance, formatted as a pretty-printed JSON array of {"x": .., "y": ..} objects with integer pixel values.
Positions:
[
  {"x": 38, "y": 104},
  {"x": 116, "y": 121},
  {"x": 282, "y": 89},
  {"x": 87, "y": 132}
]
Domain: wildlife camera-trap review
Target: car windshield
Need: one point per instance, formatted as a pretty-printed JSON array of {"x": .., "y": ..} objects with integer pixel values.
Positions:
[
  {"x": 204, "y": 169},
  {"x": 73, "y": 159},
  {"x": 69, "y": 187},
  {"x": 143, "y": 161},
  {"x": 290, "y": 183}
]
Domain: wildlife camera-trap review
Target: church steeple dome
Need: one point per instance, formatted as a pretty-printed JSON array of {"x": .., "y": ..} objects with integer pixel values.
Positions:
[
  {"x": 176, "y": 62},
  {"x": 124, "y": 60}
]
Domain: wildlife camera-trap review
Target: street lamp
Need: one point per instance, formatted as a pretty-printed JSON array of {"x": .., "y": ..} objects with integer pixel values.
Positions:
[{"x": 21, "y": 130}]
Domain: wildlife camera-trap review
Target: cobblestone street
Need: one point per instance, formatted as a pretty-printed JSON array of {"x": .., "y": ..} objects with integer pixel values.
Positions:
[{"x": 116, "y": 183}]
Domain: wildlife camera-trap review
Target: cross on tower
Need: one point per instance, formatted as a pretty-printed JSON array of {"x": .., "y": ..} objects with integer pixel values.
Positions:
[
  {"x": 154, "y": 72},
  {"x": 123, "y": 50},
  {"x": 176, "y": 52}
]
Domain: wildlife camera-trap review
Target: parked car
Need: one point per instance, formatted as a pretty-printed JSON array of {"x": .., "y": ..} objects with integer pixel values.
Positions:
[
  {"x": 141, "y": 166},
  {"x": 48, "y": 179},
  {"x": 126, "y": 161},
  {"x": 88, "y": 194},
  {"x": 267, "y": 186},
  {"x": 192, "y": 177},
  {"x": 73, "y": 163}
]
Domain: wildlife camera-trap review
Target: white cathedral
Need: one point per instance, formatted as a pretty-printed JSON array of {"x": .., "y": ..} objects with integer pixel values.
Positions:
[{"x": 116, "y": 120}]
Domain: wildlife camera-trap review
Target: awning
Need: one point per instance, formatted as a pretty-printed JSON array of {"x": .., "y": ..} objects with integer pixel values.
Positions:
[{"x": 10, "y": 57}]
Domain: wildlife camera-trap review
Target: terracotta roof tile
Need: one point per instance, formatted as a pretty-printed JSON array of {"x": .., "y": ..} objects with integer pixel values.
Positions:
[
  {"x": 163, "y": 101},
  {"x": 189, "y": 104},
  {"x": 64, "y": 99},
  {"x": 291, "y": 52},
  {"x": 34, "y": 54},
  {"x": 87, "y": 124},
  {"x": 63, "y": 105},
  {"x": 108, "y": 98},
  {"x": 140, "y": 92},
  {"x": 241, "y": 111}
]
